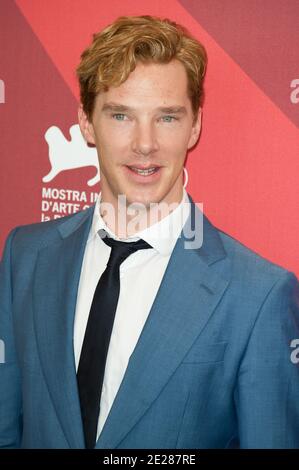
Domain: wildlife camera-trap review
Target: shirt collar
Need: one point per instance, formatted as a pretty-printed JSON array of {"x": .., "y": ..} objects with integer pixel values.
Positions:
[{"x": 162, "y": 235}]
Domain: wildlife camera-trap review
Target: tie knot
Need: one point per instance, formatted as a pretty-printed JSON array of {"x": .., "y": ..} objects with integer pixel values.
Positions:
[{"x": 121, "y": 250}]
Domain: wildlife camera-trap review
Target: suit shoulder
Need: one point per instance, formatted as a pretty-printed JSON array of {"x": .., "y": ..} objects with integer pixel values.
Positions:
[
  {"x": 249, "y": 264},
  {"x": 37, "y": 235}
]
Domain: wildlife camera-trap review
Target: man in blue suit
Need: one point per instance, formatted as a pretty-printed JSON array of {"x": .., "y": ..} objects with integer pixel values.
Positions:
[{"x": 200, "y": 354}]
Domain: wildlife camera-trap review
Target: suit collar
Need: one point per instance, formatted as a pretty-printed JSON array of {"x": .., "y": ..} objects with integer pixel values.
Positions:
[
  {"x": 71, "y": 224},
  {"x": 211, "y": 249}
]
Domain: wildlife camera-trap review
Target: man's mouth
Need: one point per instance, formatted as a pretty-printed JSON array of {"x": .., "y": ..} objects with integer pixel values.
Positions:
[{"x": 144, "y": 171}]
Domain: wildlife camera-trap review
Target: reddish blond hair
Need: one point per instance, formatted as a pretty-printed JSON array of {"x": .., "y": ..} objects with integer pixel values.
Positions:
[{"x": 115, "y": 52}]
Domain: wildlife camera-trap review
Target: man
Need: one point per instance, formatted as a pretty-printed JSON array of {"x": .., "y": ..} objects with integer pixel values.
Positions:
[{"x": 198, "y": 336}]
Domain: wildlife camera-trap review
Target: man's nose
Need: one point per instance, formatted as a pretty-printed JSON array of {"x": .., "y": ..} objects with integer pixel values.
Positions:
[{"x": 145, "y": 139}]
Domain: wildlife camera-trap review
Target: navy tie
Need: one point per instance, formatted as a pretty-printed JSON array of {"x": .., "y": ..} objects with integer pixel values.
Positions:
[{"x": 91, "y": 369}]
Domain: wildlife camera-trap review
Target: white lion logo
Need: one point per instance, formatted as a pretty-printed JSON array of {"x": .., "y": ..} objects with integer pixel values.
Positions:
[{"x": 68, "y": 155}]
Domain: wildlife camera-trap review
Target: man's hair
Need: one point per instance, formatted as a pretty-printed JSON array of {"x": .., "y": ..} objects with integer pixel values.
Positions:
[{"x": 115, "y": 52}]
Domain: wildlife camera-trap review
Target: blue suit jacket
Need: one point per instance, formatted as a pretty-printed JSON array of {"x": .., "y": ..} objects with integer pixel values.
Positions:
[{"x": 211, "y": 369}]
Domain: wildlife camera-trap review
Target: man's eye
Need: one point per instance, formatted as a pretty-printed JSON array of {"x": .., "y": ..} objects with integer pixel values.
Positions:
[
  {"x": 119, "y": 116},
  {"x": 169, "y": 118}
]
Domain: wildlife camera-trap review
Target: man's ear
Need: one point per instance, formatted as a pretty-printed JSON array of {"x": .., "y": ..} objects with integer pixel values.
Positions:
[
  {"x": 196, "y": 128},
  {"x": 86, "y": 126}
]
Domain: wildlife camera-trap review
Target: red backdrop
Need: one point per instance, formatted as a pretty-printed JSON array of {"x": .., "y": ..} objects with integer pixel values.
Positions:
[{"x": 245, "y": 169}]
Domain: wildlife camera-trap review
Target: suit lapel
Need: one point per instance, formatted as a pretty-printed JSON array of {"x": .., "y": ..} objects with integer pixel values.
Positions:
[
  {"x": 190, "y": 290},
  {"x": 57, "y": 276}
]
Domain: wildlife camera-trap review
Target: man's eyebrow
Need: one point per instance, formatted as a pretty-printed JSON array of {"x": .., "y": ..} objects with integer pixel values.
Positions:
[
  {"x": 173, "y": 109},
  {"x": 120, "y": 108},
  {"x": 116, "y": 107}
]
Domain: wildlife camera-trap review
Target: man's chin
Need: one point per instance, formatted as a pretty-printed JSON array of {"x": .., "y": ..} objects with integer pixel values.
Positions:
[{"x": 140, "y": 202}]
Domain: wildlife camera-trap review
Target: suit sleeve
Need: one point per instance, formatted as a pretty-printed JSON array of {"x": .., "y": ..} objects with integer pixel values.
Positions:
[
  {"x": 267, "y": 391},
  {"x": 10, "y": 388}
]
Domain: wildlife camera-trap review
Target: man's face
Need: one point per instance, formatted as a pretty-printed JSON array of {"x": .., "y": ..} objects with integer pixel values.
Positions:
[{"x": 142, "y": 130}]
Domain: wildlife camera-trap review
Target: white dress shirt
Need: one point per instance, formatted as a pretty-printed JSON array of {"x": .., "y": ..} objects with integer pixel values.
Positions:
[{"x": 140, "y": 277}]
